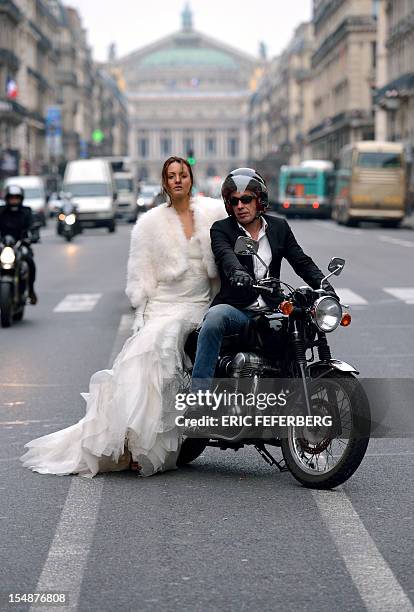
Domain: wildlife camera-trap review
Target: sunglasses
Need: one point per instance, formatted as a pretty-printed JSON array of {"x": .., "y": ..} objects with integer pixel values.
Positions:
[{"x": 244, "y": 199}]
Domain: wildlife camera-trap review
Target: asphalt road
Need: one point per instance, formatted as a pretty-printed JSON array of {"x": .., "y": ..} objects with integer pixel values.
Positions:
[{"x": 227, "y": 532}]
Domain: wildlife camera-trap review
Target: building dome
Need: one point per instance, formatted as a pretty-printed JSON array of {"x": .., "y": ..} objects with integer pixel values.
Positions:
[{"x": 188, "y": 56}]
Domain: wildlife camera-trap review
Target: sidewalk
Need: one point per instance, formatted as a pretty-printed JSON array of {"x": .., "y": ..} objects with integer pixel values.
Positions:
[{"x": 408, "y": 222}]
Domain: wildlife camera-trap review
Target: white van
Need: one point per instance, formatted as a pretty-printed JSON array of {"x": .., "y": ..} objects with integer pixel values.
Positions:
[
  {"x": 90, "y": 182},
  {"x": 34, "y": 194},
  {"x": 127, "y": 198}
]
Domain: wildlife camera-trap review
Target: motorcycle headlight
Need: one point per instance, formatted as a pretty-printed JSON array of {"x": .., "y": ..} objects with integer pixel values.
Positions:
[
  {"x": 7, "y": 257},
  {"x": 70, "y": 219},
  {"x": 327, "y": 313}
]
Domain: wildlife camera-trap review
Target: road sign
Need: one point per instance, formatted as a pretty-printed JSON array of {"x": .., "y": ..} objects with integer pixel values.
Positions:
[{"x": 54, "y": 130}]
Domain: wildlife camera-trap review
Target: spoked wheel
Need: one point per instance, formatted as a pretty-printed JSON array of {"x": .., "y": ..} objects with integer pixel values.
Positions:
[
  {"x": 191, "y": 448},
  {"x": 325, "y": 456}
]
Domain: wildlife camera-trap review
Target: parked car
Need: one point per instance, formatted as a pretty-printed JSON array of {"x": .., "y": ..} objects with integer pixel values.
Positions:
[
  {"x": 34, "y": 195},
  {"x": 91, "y": 185},
  {"x": 148, "y": 197}
]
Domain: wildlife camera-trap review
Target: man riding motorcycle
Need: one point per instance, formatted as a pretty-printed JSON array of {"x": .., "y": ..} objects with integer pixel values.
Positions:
[
  {"x": 245, "y": 195},
  {"x": 16, "y": 220}
]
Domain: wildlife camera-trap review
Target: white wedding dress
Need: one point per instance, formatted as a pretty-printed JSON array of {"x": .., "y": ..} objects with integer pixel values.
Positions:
[{"x": 130, "y": 409}]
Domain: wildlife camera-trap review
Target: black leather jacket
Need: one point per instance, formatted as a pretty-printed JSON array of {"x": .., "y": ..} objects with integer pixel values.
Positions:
[
  {"x": 15, "y": 223},
  {"x": 283, "y": 244}
]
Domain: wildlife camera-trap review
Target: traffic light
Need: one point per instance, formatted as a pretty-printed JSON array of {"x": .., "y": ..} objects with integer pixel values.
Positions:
[{"x": 190, "y": 157}]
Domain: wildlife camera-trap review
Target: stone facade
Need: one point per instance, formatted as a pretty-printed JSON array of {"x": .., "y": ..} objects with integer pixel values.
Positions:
[
  {"x": 11, "y": 112},
  {"x": 281, "y": 108},
  {"x": 44, "y": 51},
  {"x": 187, "y": 95},
  {"x": 395, "y": 96},
  {"x": 343, "y": 74},
  {"x": 110, "y": 116}
]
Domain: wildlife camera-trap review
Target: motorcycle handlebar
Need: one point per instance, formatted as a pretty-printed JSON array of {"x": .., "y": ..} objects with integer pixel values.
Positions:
[{"x": 263, "y": 288}]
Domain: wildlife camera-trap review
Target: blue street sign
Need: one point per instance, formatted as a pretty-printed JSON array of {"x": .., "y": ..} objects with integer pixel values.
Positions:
[
  {"x": 53, "y": 121},
  {"x": 83, "y": 148}
]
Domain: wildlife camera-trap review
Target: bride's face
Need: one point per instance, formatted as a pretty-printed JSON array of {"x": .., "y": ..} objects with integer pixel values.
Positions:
[{"x": 178, "y": 180}]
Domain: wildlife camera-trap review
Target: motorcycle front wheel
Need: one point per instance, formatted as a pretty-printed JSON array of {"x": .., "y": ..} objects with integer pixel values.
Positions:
[
  {"x": 325, "y": 456},
  {"x": 6, "y": 305}
]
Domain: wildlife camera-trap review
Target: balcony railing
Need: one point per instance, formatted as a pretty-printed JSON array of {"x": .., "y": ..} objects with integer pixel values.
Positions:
[
  {"x": 9, "y": 7},
  {"x": 350, "y": 24},
  {"x": 10, "y": 59}
]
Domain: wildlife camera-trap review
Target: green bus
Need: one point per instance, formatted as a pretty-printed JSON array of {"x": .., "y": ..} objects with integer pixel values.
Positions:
[{"x": 307, "y": 190}]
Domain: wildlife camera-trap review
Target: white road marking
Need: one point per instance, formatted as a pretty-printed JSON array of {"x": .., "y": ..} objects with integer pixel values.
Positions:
[
  {"x": 348, "y": 296},
  {"x": 68, "y": 553},
  {"x": 406, "y": 294},
  {"x": 335, "y": 228},
  {"x": 397, "y": 241},
  {"x": 78, "y": 302},
  {"x": 372, "y": 576}
]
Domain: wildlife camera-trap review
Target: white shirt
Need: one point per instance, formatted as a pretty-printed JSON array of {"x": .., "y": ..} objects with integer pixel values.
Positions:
[{"x": 265, "y": 252}]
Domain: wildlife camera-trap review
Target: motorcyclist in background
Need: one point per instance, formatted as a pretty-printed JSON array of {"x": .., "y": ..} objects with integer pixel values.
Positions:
[{"x": 16, "y": 220}]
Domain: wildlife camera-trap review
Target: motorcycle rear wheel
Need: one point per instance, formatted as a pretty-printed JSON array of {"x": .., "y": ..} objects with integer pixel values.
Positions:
[
  {"x": 18, "y": 316},
  {"x": 6, "y": 305},
  {"x": 321, "y": 461}
]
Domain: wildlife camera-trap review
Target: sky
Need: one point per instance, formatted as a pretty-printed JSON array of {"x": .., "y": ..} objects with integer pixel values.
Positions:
[{"x": 132, "y": 24}]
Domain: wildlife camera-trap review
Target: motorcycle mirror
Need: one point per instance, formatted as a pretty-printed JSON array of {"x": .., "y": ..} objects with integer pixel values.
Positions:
[
  {"x": 336, "y": 265},
  {"x": 246, "y": 246}
]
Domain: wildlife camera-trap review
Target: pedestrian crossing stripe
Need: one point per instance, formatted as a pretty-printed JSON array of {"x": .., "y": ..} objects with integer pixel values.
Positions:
[
  {"x": 347, "y": 296},
  {"x": 85, "y": 302},
  {"x": 78, "y": 302},
  {"x": 405, "y": 294}
]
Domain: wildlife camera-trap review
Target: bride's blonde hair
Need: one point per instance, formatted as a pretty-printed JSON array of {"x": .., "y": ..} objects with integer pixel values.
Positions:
[{"x": 164, "y": 174}]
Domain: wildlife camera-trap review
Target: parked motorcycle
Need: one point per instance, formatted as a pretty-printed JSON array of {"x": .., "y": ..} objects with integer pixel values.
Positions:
[
  {"x": 280, "y": 350},
  {"x": 14, "y": 279},
  {"x": 68, "y": 224}
]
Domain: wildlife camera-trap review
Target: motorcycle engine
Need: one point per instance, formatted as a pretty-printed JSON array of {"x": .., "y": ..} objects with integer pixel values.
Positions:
[{"x": 246, "y": 364}]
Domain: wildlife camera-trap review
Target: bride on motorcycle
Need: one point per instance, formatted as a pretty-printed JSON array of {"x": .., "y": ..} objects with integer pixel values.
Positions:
[{"x": 171, "y": 277}]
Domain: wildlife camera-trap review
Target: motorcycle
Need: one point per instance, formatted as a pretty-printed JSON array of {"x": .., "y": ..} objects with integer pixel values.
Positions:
[
  {"x": 14, "y": 279},
  {"x": 329, "y": 413},
  {"x": 68, "y": 224}
]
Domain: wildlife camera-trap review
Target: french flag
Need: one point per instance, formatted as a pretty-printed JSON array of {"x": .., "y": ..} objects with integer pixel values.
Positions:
[{"x": 11, "y": 88}]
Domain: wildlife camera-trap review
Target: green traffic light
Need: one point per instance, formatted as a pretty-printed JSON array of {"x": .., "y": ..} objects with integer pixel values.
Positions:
[
  {"x": 191, "y": 161},
  {"x": 97, "y": 136}
]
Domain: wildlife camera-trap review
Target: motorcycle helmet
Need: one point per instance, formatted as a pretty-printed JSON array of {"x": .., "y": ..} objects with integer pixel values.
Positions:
[
  {"x": 245, "y": 179},
  {"x": 14, "y": 191}
]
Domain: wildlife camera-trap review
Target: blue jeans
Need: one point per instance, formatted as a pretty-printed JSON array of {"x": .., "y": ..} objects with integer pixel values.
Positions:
[{"x": 220, "y": 321}]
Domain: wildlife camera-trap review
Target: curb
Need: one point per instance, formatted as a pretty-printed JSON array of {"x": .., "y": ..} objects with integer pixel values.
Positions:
[{"x": 408, "y": 222}]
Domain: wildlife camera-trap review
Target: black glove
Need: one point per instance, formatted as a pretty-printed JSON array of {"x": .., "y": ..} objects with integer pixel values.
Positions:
[
  {"x": 240, "y": 278},
  {"x": 274, "y": 284}
]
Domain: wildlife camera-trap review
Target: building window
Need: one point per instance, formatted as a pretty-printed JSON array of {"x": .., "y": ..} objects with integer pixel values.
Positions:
[
  {"x": 143, "y": 173},
  {"x": 211, "y": 145},
  {"x": 165, "y": 145},
  {"x": 374, "y": 54},
  {"x": 233, "y": 146},
  {"x": 211, "y": 171},
  {"x": 143, "y": 147},
  {"x": 188, "y": 145}
]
